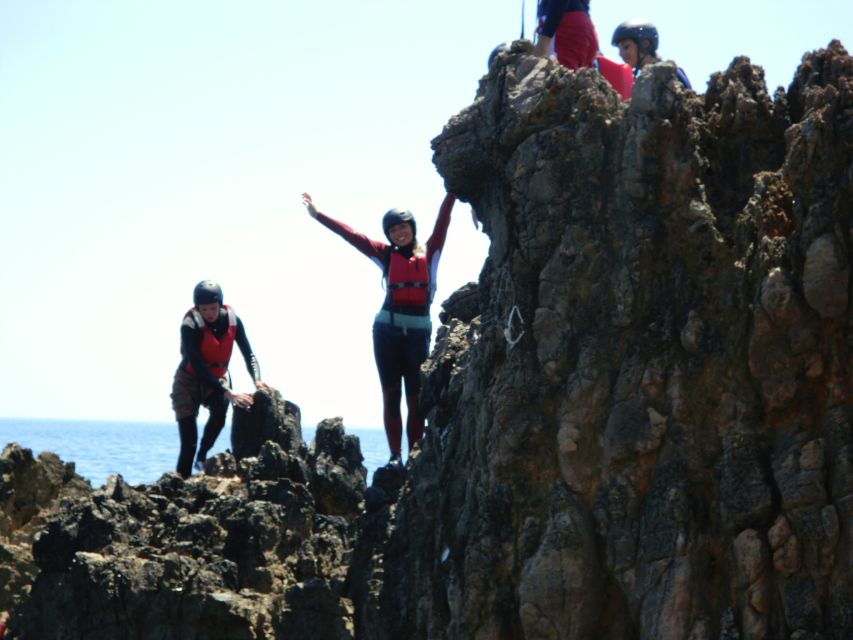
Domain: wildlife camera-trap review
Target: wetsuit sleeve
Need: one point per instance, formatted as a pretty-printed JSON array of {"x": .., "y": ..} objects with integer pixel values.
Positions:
[
  {"x": 552, "y": 15},
  {"x": 439, "y": 233},
  {"x": 190, "y": 339},
  {"x": 251, "y": 361},
  {"x": 373, "y": 249}
]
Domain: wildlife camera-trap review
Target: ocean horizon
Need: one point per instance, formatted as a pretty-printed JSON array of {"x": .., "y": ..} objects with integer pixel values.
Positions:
[{"x": 141, "y": 451}]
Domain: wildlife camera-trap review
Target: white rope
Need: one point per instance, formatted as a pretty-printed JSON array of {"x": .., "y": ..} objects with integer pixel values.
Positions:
[{"x": 515, "y": 311}]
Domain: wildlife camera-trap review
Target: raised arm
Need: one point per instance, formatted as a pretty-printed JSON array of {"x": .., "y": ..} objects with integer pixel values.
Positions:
[
  {"x": 439, "y": 232},
  {"x": 373, "y": 249}
]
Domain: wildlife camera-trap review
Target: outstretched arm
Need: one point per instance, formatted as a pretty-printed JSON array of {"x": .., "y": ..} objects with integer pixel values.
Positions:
[
  {"x": 309, "y": 204},
  {"x": 373, "y": 249},
  {"x": 439, "y": 233}
]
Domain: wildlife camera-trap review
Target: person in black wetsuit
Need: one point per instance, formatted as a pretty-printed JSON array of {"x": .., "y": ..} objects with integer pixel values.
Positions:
[
  {"x": 402, "y": 328},
  {"x": 637, "y": 41},
  {"x": 208, "y": 333}
]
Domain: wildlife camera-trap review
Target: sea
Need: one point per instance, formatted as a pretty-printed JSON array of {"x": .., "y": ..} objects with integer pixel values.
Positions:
[{"x": 140, "y": 451}]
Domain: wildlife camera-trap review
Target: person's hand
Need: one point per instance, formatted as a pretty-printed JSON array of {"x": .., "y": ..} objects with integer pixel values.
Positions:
[
  {"x": 309, "y": 204},
  {"x": 263, "y": 386},
  {"x": 241, "y": 400},
  {"x": 4, "y": 617},
  {"x": 542, "y": 48}
]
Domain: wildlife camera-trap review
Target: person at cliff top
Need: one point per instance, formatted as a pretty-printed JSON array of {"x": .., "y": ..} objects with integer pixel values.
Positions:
[
  {"x": 637, "y": 41},
  {"x": 402, "y": 328},
  {"x": 568, "y": 25},
  {"x": 4, "y": 618},
  {"x": 208, "y": 333}
]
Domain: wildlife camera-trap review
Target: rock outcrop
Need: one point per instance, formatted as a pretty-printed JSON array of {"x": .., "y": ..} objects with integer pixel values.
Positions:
[
  {"x": 31, "y": 490},
  {"x": 647, "y": 431},
  {"x": 256, "y": 547},
  {"x": 640, "y": 418}
]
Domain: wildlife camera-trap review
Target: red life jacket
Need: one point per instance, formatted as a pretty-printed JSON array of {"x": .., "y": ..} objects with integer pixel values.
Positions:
[
  {"x": 618, "y": 75},
  {"x": 216, "y": 352},
  {"x": 408, "y": 280}
]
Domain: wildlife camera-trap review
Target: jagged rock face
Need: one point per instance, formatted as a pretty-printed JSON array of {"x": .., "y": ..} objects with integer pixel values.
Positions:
[
  {"x": 647, "y": 432},
  {"x": 254, "y": 548},
  {"x": 30, "y": 492}
]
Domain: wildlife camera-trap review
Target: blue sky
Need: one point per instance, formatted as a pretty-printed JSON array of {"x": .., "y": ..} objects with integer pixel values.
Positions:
[{"x": 146, "y": 145}]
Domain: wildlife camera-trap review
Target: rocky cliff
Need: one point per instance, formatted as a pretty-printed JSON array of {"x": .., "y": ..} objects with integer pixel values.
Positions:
[
  {"x": 640, "y": 418},
  {"x": 647, "y": 431}
]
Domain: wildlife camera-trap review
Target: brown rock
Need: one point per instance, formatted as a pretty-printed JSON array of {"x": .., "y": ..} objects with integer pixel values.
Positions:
[{"x": 826, "y": 277}]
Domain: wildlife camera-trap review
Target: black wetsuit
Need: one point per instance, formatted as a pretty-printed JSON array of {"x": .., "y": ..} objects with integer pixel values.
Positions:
[
  {"x": 211, "y": 391},
  {"x": 401, "y": 334}
]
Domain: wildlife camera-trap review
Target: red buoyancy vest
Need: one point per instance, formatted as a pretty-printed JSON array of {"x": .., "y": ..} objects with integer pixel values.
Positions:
[
  {"x": 216, "y": 352},
  {"x": 618, "y": 75},
  {"x": 408, "y": 280}
]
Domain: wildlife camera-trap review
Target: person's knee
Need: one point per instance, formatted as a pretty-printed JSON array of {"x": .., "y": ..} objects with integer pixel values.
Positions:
[
  {"x": 217, "y": 410},
  {"x": 185, "y": 410},
  {"x": 187, "y": 429},
  {"x": 391, "y": 399},
  {"x": 215, "y": 421}
]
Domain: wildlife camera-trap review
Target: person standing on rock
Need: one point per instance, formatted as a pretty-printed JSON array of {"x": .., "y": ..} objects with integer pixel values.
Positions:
[
  {"x": 567, "y": 24},
  {"x": 208, "y": 333},
  {"x": 402, "y": 328},
  {"x": 637, "y": 41}
]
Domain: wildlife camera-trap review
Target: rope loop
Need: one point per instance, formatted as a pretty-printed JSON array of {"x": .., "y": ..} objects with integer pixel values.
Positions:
[{"x": 514, "y": 313}]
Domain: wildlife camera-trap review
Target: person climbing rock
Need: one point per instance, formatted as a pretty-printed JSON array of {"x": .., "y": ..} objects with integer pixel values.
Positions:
[
  {"x": 402, "y": 328},
  {"x": 566, "y": 24},
  {"x": 637, "y": 41},
  {"x": 208, "y": 333}
]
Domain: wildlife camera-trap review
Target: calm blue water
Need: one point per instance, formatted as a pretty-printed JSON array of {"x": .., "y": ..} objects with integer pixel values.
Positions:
[{"x": 140, "y": 451}]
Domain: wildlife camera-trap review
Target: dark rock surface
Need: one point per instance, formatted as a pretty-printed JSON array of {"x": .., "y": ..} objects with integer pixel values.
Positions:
[
  {"x": 639, "y": 418},
  {"x": 253, "y": 548},
  {"x": 647, "y": 431},
  {"x": 31, "y": 490}
]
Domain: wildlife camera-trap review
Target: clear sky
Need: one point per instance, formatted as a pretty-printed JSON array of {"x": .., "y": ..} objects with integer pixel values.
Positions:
[{"x": 148, "y": 144}]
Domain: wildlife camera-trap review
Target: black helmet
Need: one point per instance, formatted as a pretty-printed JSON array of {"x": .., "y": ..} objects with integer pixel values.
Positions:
[
  {"x": 207, "y": 292},
  {"x": 637, "y": 30},
  {"x": 398, "y": 216},
  {"x": 503, "y": 47}
]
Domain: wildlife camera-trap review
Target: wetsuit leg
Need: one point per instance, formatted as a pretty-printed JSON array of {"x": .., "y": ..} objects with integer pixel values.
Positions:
[
  {"x": 387, "y": 351},
  {"x": 218, "y": 407},
  {"x": 393, "y": 419},
  {"x": 415, "y": 351},
  {"x": 189, "y": 435},
  {"x": 414, "y": 421}
]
